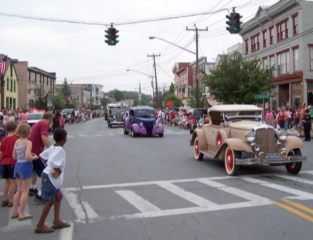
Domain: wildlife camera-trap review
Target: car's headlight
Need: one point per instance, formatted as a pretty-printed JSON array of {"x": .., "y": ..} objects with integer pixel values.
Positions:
[
  {"x": 282, "y": 135},
  {"x": 250, "y": 136},
  {"x": 141, "y": 124}
]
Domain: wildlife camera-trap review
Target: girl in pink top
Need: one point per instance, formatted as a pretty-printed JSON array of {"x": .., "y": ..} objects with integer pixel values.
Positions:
[{"x": 24, "y": 116}]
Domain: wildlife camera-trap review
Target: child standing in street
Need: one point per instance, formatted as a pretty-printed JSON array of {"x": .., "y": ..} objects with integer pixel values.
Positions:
[
  {"x": 23, "y": 171},
  {"x": 8, "y": 163},
  {"x": 51, "y": 181}
]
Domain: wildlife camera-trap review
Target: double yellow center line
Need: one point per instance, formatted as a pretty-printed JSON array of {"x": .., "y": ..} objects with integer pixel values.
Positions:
[{"x": 295, "y": 211}]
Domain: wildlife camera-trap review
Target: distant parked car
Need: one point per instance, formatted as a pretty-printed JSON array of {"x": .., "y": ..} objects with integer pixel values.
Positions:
[
  {"x": 34, "y": 117},
  {"x": 66, "y": 111},
  {"x": 141, "y": 121}
]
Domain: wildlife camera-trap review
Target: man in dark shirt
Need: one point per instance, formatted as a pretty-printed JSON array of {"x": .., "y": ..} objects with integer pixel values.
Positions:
[
  {"x": 3, "y": 133},
  {"x": 307, "y": 125}
]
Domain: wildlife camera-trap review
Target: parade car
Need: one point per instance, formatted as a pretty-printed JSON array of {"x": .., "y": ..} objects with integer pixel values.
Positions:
[
  {"x": 141, "y": 121},
  {"x": 116, "y": 117},
  {"x": 34, "y": 116},
  {"x": 235, "y": 135}
]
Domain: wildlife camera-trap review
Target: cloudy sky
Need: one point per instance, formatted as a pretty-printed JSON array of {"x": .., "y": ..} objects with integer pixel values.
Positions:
[{"x": 79, "y": 53}]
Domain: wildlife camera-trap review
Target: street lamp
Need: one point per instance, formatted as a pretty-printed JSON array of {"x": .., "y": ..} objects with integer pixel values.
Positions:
[
  {"x": 197, "y": 64},
  {"x": 150, "y": 76}
]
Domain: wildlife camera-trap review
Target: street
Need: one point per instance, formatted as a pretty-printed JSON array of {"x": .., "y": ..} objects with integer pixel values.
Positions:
[{"x": 119, "y": 187}]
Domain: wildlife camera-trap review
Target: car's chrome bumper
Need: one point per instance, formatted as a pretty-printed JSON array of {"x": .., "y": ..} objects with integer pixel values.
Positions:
[{"x": 270, "y": 161}]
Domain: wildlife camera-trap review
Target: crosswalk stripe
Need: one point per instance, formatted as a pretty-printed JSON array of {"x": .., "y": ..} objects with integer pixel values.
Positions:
[
  {"x": 91, "y": 214},
  {"x": 299, "y": 194},
  {"x": 82, "y": 135},
  {"x": 99, "y": 135},
  {"x": 197, "y": 200},
  {"x": 78, "y": 209},
  {"x": 233, "y": 191},
  {"x": 296, "y": 179},
  {"x": 138, "y": 202},
  {"x": 67, "y": 233}
]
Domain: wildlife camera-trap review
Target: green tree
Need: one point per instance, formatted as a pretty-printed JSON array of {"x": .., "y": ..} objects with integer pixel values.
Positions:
[
  {"x": 118, "y": 95},
  {"x": 171, "y": 88},
  {"x": 64, "y": 89},
  {"x": 41, "y": 97},
  {"x": 237, "y": 80},
  {"x": 60, "y": 101},
  {"x": 105, "y": 102},
  {"x": 191, "y": 102},
  {"x": 171, "y": 97}
]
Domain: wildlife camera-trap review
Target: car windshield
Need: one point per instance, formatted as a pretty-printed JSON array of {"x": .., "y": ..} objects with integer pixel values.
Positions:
[
  {"x": 198, "y": 113},
  {"x": 243, "y": 114},
  {"x": 145, "y": 113},
  {"x": 35, "y": 116}
]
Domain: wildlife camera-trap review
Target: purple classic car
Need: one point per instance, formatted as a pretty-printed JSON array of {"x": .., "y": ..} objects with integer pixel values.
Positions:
[{"x": 141, "y": 121}]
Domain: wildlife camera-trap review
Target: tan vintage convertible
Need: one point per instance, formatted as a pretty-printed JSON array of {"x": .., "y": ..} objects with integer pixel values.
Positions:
[{"x": 235, "y": 135}]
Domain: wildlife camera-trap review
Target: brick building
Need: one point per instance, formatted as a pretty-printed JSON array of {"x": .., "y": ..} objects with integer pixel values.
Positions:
[{"x": 282, "y": 35}]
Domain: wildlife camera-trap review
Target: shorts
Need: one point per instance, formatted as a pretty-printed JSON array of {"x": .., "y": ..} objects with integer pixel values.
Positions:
[
  {"x": 38, "y": 166},
  {"x": 48, "y": 190},
  {"x": 23, "y": 170},
  {"x": 8, "y": 171}
]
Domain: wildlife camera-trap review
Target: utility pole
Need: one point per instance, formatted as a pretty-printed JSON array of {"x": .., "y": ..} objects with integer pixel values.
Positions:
[
  {"x": 155, "y": 75},
  {"x": 197, "y": 61}
]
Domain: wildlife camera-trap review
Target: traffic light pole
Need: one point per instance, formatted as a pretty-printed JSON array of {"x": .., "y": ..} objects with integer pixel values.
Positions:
[
  {"x": 197, "y": 62},
  {"x": 156, "y": 81}
]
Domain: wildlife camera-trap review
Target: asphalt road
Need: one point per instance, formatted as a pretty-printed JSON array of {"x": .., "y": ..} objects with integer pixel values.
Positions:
[{"x": 119, "y": 187}]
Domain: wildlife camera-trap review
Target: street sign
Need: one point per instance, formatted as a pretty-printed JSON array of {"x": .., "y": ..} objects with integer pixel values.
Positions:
[{"x": 262, "y": 96}]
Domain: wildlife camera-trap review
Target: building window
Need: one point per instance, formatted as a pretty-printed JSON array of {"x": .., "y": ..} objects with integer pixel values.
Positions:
[
  {"x": 8, "y": 84},
  {"x": 264, "y": 62},
  {"x": 77, "y": 97},
  {"x": 283, "y": 63},
  {"x": 264, "y": 38},
  {"x": 7, "y": 102},
  {"x": 296, "y": 94},
  {"x": 255, "y": 45},
  {"x": 271, "y": 60},
  {"x": 11, "y": 85},
  {"x": 47, "y": 82},
  {"x": 14, "y": 86},
  {"x": 282, "y": 31},
  {"x": 311, "y": 56},
  {"x": 36, "y": 78},
  {"x": 29, "y": 87},
  {"x": 31, "y": 103},
  {"x": 14, "y": 103},
  {"x": 295, "y": 59},
  {"x": 295, "y": 23},
  {"x": 270, "y": 29},
  {"x": 247, "y": 46}
]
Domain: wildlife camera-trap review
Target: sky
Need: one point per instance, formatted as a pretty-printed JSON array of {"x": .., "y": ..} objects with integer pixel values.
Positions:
[{"x": 78, "y": 52}]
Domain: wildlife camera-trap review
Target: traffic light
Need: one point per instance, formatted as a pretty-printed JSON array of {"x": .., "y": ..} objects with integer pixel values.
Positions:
[
  {"x": 234, "y": 22},
  {"x": 111, "y": 36}
]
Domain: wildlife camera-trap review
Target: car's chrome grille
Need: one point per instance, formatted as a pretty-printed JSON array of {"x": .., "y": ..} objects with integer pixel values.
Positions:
[{"x": 265, "y": 137}]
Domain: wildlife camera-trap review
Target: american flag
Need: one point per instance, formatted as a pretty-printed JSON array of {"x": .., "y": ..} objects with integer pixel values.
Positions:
[
  {"x": 3, "y": 65},
  {"x": 180, "y": 94},
  {"x": 70, "y": 100}
]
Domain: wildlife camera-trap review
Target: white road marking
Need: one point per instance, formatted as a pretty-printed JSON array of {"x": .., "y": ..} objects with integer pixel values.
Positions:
[
  {"x": 67, "y": 233},
  {"x": 14, "y": 224},
  {"x": 82, "y": 135},
  {"x": 308, "y": 172},
  {"x": 195, "y": 199},
  {"x": 78, "y": 209},
  {"x": 299, "y": 194},
  {"x": 70, "y": 136},
  {"x": 91, "y": 214},
  {"x": 296, "y": 179},
  {"x": 99, "y": 135},
  {"x": 181, "y": 211},
  {"x": 234, "y": 191},
  {"x": 138, "y": 202}
]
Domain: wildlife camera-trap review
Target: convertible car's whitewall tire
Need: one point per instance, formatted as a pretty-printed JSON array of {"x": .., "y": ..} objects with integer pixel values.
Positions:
[
  {"x": 198, "y": 154},
  {"x": 230, "y": 161},
  {"x": 294, "y": 168}
]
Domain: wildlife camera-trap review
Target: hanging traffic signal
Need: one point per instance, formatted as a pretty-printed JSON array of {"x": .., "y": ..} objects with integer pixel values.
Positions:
[
  {"x": 234, "y": 22},
  {"x": 111, "y": 36},
  {"x": 237, "y": 23}
]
